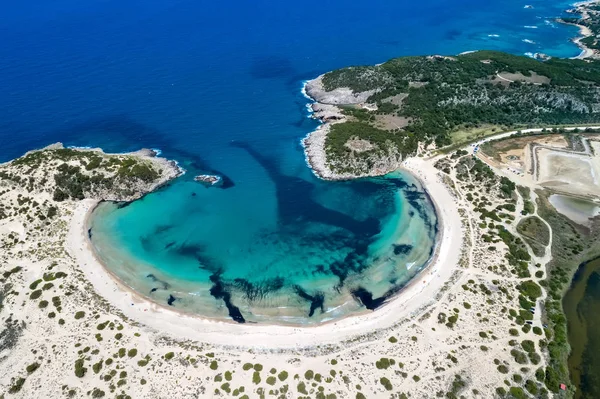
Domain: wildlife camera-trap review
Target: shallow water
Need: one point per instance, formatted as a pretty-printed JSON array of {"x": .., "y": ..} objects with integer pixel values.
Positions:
[
  {"x": 323, "y": 252},
  {"x": 577, "y": 209}
]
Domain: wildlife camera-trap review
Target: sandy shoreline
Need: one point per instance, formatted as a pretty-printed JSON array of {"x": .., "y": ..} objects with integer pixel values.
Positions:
[
  {"x": 418, "y": 293},
  {"x": 584, "y": 31}
]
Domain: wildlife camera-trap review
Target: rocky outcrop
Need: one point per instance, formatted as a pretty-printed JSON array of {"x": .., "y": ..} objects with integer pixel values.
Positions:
[
  {"x": 377, "y": 163},
  {"x": 342, "y": 95},
  {"x": 208, "y": 180},
  {"x": 374, "y": 162}
]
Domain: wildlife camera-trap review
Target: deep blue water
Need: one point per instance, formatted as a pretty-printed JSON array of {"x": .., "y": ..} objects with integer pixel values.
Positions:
[
  {"x": 193, "y": 75},
  {"x": 216, "y": 85}
]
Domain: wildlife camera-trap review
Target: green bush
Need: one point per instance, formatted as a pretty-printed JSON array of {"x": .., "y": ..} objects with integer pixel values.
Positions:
[
  {"x": 528, "y": 345},
  {"x": 301, "y": 388},
  {"x": 35, "y": 294},
  {"x": 247, "y": 366},
  {"x": 79, "y": 315},
  {"x": 17, "y": 385},
  {"x": 282, "y": 375},
  {"x": 32, "y": 367},
  {"x": 97, "y": 367},
  {"x": 386, "y": 383},
  {"x": 79, "y": 369}
]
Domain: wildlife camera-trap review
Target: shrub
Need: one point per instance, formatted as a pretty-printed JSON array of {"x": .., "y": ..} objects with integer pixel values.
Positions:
[
  {"x": 282, "y": 375},
  {"x": 34, "y": 285},
  {"x": 43, "y": 304},
  {"x": 530, "y": 289},
  {"x": 519, "y": 356},
  {"x": 258, "y": 367},
  {"x": 301, "y": 388},
  {"x": 79, "y": 369},
  {"x": 97, "y": 367},
  {"x": 384, "y": 363},
  {"x": 531, "y": 387},
  {"x": 32, "y": 367},
  {"x": 393, "y": 340},
  {"x": 534, "y": 358},
  {"x": 169, "y": 356},
  {"x": 256, "y": 377},
  {"x": 247, "y": 366},
  {"x": 79, "y": 315},
  {"x": 503, "y": 369},
  {"x": 386, "y": 383},
  {"x": 514, "y": 332},
  {"x": 214, "y": 365},
  {"x": 271, "y": 380},
  {"x": 528, "y": 346},
  {"x": 35, "y": 294},
  {"x": 17, "y": 385},
  {"x": 517, "y": 393},
  {"x": 309, "y": 374}
]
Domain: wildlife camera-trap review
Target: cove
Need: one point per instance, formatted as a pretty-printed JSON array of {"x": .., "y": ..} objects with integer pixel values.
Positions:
[{"x": 305, "y": 251}]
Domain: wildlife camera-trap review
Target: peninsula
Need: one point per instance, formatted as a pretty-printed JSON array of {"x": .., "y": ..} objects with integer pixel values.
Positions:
[{"x": 375, "y": 116}]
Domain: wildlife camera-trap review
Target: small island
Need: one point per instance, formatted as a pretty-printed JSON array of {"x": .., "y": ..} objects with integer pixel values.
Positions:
[{"x": 209, "y": 180}]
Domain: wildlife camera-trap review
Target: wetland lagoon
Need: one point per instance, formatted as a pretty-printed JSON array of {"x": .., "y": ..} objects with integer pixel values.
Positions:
[{"x": 582, "y": 309}]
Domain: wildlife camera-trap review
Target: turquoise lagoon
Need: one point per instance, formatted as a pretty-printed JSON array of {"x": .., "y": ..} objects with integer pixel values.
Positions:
[{"x": 303, "y": 252}]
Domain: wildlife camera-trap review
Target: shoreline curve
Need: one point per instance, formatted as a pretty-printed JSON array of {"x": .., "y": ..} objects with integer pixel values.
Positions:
[{"x": 417, "y": 294}]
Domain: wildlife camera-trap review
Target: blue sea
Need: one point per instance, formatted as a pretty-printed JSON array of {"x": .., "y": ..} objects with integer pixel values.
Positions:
[{"x": 217, "y": 86}]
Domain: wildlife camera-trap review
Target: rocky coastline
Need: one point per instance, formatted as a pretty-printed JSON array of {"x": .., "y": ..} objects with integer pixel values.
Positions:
[
  {"x": 586, "y": 15},
  {"x": 326, "y": 108},
  {"x": 72, "y": 173}
]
